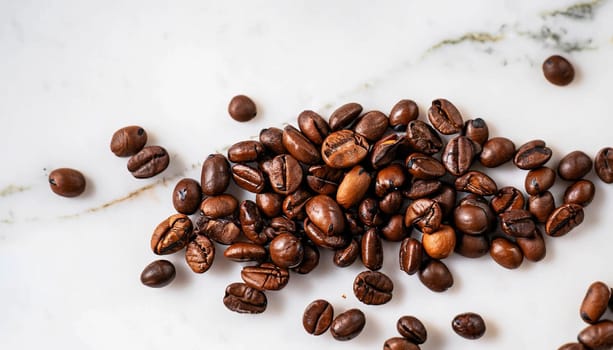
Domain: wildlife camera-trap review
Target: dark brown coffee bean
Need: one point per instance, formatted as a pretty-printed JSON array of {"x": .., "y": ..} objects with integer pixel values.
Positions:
[
  {"x": 468, "y": 325},
  {"x": 299, "y": 146},
  {"x": 412, "y": 329},
  {"x": 243, "y": 299},
  {"x": 403, "y": 112},
  {"x": 313, "y": 127},
  {"x": 248, "y": 178},
  {"x": 186, "y": 196},
  {"x": 440, "y": 243},
  {"x": 598, "y": 336},
  {"x": 533, "y": 248},
  {"x": 398, "y": 343},
  {"x": 507, "y": 198},
  {"x": 346, "y": 256},
  {"x": 269, "y": 203},
  {"x": 532, "y": 155},
  {"x": 425, "y": 214},
  {"x": 215, "y": 176},
  {"x": 410, "y": 255},
  {"x": 539, "y": 180},
  {"x": 506, "y": 253},
  {"x": 265, "y": 276},
  {"x": 372, "y": 250},
  {"x": 128, "y": 141},
  {"x": 323, "y": 179},
  {"x": 219, "y": 206},
  {"x": 445, "y": 117},
  {"x": 293, "y": 205},
  {"x": 286, "y": 250},
  {"x": 595, "y": 302},
  {"x": 223, "y": 231},
  {"x": 458, "y": 155},
  {"x": 310, "y": 258},
  {"x": 424, "y": 167},
  {"x": 344, "y": 115},
  {"x": 348, "y": 324},
  {"x": 272, "y": 139},
  {"x": 476, "y": 182},
  {"x": 422, "y": 138},
  {"x": 158, "y": 274},
  {"x": 422, "y": 188},
  {"x": 472, "y": 246},
  {"x": 517, "y": 223},
  {"x": 369, "y": 213},
  {"x": 241, "y": 108},
  {"x": 574, "y": 166},
  {"x": 251, "y": 222},
  {"x": 317, "y": 317},
  {"x": 321, "y": 239},
  {"x": 148, "y": 162},
  {"x": 373, "y": 288},
  {"x": 390, "y": 178},
  {"x": 344, "y": 149},
  {"x": 446, "y": 199},
  {"x": 372, "y": 125},
  {"x": 245, "y": 151},
  {"x": 325, "y": 213},
  {"x": 558, "y": 70},
  {"x": 476, "y": 130},
  {"x": 603, "y": 164},
  {"x": 391, "y": 203},
  {"x": 473, "y": 217},
  {"x": 284, "y": 174},
  {"x": 572, "y": 346},
  {"x": 354, "y": 186},
  {"x": 541, "y": 205},
  {"x": 354, "y": 227},
  {"x": 497, "y": 151},
  {"x": 171, "y": 235},
  {"x": 385, "y": 150},
  {"x": 283, "y": 224},
  {"x": 563, "y": 219},
  {"x": 200, "y": 253},
  {"x": 435, "y": 275},
  {"x": 242, "y": 251},
  {"x": 67, "y": 182},
  {"x": 581, "y": 192},
  {"x": 394, "y": 229}
]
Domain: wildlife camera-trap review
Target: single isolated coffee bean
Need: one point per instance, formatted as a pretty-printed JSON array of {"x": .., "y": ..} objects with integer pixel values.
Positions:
[
  {"x": 496, "y": 151},
  {"x": 313, "y": 126},
  {"x": 317, "y": 317},
  {"x": 265, "y": 276},
  {"x": 171, "y": 235},
  {"x": 373, "y": 288},
  {"x": 344, "y": 115},
  {"x": 344, "y": 149},
  {"x": 243, "y": 299},
  {"x": 563, "y": 219},
  {"x": 422, "y": 138},
  {"x": 598, "y": 336},
  {"x": 507, "y": 198},
  {"x": 445, "y": 117},
  {"x": 372, "y": 250},
  {"x": 128, "y": 141},
  {"x": 410, "y": 255},
  {"x": 272, "y": 139},
  {"x": 458, "y": 155},
  {"x": 399, "y": 343},
  {"x": 581, "y": 192},
  {"x": 532, "y": 155},
  {"x": 412, "y": 329},
  {"x": 148, "y": 162},
  {"x": 346, "y": 256},
  {"x": 506, "y": 253},
  {"x": 476, "y": 130},
  {"x": 348, "y": 324},
  {"x": 158, "y": 274},
  {"x": 200, "y": 254},
  {"x": 67, "y": 182},
  {"x": 286, "y": 250},
  {"x": 435, "y": 275},
  {"x": 244, "y": 251},
  {"x": 403, "y": 112},
  {"x": 215, "y": 176},
  {"x": 539, "y": 180},
  {"x": 241, "y": 108},
  {"x": 468, "y": 325},
  {"x": 595, "y": 302},
  {"x": 440, "y": 243},
  {"x": 574, "y": 166},
  {"x": 372, "y": 125},
  {"x": 541, "y": 206},
  {"x": 186, "y": 196},
  {"x": 558, "y": 71},
  {"x": 603, "y": 164}
]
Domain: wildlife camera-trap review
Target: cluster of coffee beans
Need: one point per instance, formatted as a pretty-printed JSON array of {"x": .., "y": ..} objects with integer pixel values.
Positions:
[{"x": 145, "y": 161}]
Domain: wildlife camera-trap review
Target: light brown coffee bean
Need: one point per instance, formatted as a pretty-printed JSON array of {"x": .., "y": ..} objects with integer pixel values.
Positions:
[
  {"x": 200, "y": 254},
  {"x": 171, "y": 235},
  {"x": 354, "y": 186},
  {"x": 440, "y": 243},
  {"x": 344, "y": 149},
  {"x": 128, "y": 141}
]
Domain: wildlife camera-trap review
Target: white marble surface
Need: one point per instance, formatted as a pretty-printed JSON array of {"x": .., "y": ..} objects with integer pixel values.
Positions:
[{"x": 72, "y": 72}]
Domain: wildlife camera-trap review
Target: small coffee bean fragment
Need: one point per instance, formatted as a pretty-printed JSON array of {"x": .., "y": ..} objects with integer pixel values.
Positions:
[
  {"x": 399, "y": 343},
  {"x": 171, "y": 235},
  {"x": 241, "y": 108},
  {"x": 373, "y": 288},
  {"x": 603, "y": 164},
  {"x": 348, "y": 324},
  {"x": 128, "y": 141},
  {"x": 574, "y": 166},
  {"x": 403, "y": 112},
  {"x": 506, "y": 253},
  {"x": 67, "y": 182},
  {"x": 243, "y": 299},
  {"x": 532, "y": 155},
  {"x": 186, "y": 196},
  {"x": 595, "y": 302},
  {"x": 598, "y": 336},
  {"x": 539, "y": 180},
  {"x": 148, "y": 162},
  {"x": 445, "y": 117},
  {"x": 558, "y": 71},
  {"x": 563, "y": 219},
  {"x": 200, "y": 254},
  {"x": 158, "y": 274},
  {"x": 317, "y": 317},
  {"x": 412, "y": 329},
  {"x": 468, "y": 325},
  {"x": 497, "y": 151},
  {"x": 436, "y": 276}
]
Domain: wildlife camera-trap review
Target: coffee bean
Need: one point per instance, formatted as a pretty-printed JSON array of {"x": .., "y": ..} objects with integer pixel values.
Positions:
[
  {"x": 241, "y": 108},
  {"x": 284, "y": 174},
  {"x": 354, "y": 186},
  {"x": 272, "y": 139},
  {"x": 507, "y": 198},
  {"x": 391, "y": 203},
  {"x": 242, "y": 251},
  {"x": 539, "y": 180},
  {"x": 468, "y": 325},
  {"x": 317, "y": 317},
  {"x": 325, "y": 213},
  {"x": 445, "y": 117},
  {"x": 497, "y": 151},
  {"x": 446, "y": 199},
  {"x": 200, "y": 253},
  {"x": 558, "y": 70},
  {"x": 294, "y": 203},
  {"x": 299, "y": 146},
  {"x": 390, "y": 178},
  {"x": 440, "y": 243},
  {"x": 385, "y": 150},
  {"x": 215, "y": 176},
  {"x": 425, "y": 214},
  {"x": 398, "y": 343},
  {"x": 403, "y": 112},
  {"x": 603, "y": 164},
  {"x": 344, "y": 115},
  {"x": 422, "y": 188},
  {"x": 476, "y": 130},
  {"x": 310, "y": 258},
  {"x": 572, "y": 346},
  {"x": 372, "y": 250},
  {"x": 435, "y": 275},
  {"x": 369, "y": 213},
  {"x": 458, "y": 155},
  {"x": 283, "y": 224},
  {"x": 476, "y": 182},
  {"x": 506, "y": 253},
  {"x": 313, "y": 126},
  {"x": 532, "y": 155},
  {"x": 472, "y": 246},
  {"x": 421, "y": 166},
  {"x": 563, "y": 219},
  {"x": 158, "y": 274},
  {"x": 251, "y": 222},
  {"x": 412, "y": 329},
  {"x": 148, "y": 162},
  {"x": 533, "y": 248},
  {"x": 286, "y": 250},
  {"x": 128, "y": 141},
  {"x": 67, "y": 182},
  {"x": 265, "y": 276},
  {"x": 245, "y": 151},
  {"x": 581, "y": 192},
  {"x": 598, "y": 336},
  {"x": 219, "y": 206},
  {"x": 541, "y": 206},
  {"x": 473, "y": 217},
  {"x": 410, "y": 255},
  {"x": 171, "y": 235},
  {"x": 248, "y": 178},
  {"x": 243, "y": 299},
  {"x": 394, "y": 229},
  {"x": 344, "y": 149},
  {"x": 595, "y": 302},
  {"x": 186, "y": 196},
  {"x": 269, "y": 203},
  {"x": 422, "y": 138},
  {"x": 574, "y": 166},
  {"x": 223, "y": 231},
  {"x": 348, "y": 324},
  {"x": 321, "y": 239},
  {"x": 323, "y": 179},
  {"x": 517, "y": 223},
  {"x": 354, "y": 227},
  {"x": 346, "y": 256},
  {"x": 373, "y": 288},
  {"x": 372, "y": 125}
]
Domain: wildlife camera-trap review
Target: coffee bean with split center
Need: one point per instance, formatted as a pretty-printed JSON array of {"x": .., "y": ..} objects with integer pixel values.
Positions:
[
  {"x": 148, "y": 162},
  {"x": 445, "y": 117},
  {"x": 317, "y": 317},
  {"x": 373, "y": 288}
]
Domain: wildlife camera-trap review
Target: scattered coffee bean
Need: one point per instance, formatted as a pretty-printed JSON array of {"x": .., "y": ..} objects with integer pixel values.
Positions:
[
  {"x": 385, "y": 151},
  {"x": 354, "y": 186},
  {"x": 299, "y": 146},
  {"x": 243, "y": 299},
  {"x": 517, "y": 223},
  {"x": 533, "y": 248},
  {"x": 398, "y": 343},
  {"x": 223, "y": 231},
  {"x": 248, "y": 178},
  {"x": 410, "y": 255},
  {"x": 158, "y": 274},
  {"x": 435, "y": 275},
  {"x": 445, "y": 117},
  {"x": 472, "y": 246},
  {"x": 67, "y": 182},
  {"x": 423, "y": 138},
  {"x": 541, "y": 206},
  {"x": 265, "y": 276},
  {"x": 412, "y": 329},
  {"x": 574, "y": 166},
  {"x": 476, "y": 130},
  {"x": 323, "y": 179},
  {"x": 344, "y": 115},
  {"x": 603, "y": 164},
  {"x": 348, "y": 324},
  {"x": 373, "y": 288},
  {"x": 344, "y": 149},
  {"x": 532, "y": 155},
  {"x": 171, "y": 235},
  {"x": 313, "y": 126},
  {"x": 458, "y": 155},
  {"x": 346, "y": 256},
  {"x": 215, "y": 176},
  {"x": 539, "y": 180},
  {"x": 200, "y": 253},
  {"x": 468, "y": 325},
  {"x": 497, "y": 151},
  {"x": 372, "y": 250},
  {"x": 245, "y": 151},
  {"x": 372, "y": 125},
  {"x": 473, "y": 217},
  {"x": 506, "y": 253},
  {"x": 563, "y": 219},
  {"x": 310, "y": 258},
  {"x": 507, "y": 198},
  {"x": 558, "y": 70},
  {"x": 424, "y": 167},
  {"x": 317, "y": 317},
  {"x": 186, "y": 196},
  {"x": 595, "y": 302},
  {"x": 581, "y": 193},
  {"x": 272, "y": 139},
  {"x": 425, "y": 214},
  {"x": 219, "y": 206},
  {"x": 284, "y": 174},
  {"x": 394, "y": 230},
  {"x": 148, "y": 162},
  {"x": 128, "y": 141},
  {"x": 241, "y": 108},
  {"x": 598, "y": 336},
  {"x": 403, "y": 112},
  {"x": 476, "y": 182},
  {"x": 243, "y": 251},
  {"x": 326, "y": 214}
]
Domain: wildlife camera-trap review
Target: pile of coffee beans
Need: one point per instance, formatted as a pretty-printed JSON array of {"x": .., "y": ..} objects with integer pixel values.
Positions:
[{"x": 145, "y": 161}]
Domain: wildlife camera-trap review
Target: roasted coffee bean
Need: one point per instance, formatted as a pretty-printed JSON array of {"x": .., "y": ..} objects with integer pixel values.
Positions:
[
  {"x": 445, "y": 117},
  {"x": 219, "y": 206},
  {"x": 440, "y": 243},
  {"x": 390, "y": 178},
  {"x": 67, "y": 182},
  {"x": 446, "y": 199},
  {"x": 317, "y": 317},
  {"x": 215, "y": 176},
  {"x": 424, "y": 167},
  {"x": 425, "y": 214},
  {"x": 372, "y": 250},
  {"x": 385, "y": 150},
  {"x": 533, "y": 248},
  {"x": 186, "y": 196},
  {"x": 265, "y": 276},
  {"x": 517, "y": 223},
  {"x": 507, "y": 198},
  {"x": 541, "y": 205},
  {"x": 283, "y": 224},
  {"x": 572, "y": 346},
  {"x": 248, "y": 178},
  {"x": 603, "y": 164},
  {"x": 310, "y": 259},
  {"x": 241, "y": 108},
  {"x": 403, "y": 112},
  {"x": 422, "y": 138},
  {"x": 472, "y": 246},
  {"x": 373, "y": 288},
  {"x": 458, "y": 155},
  {"x": 563, "y": 219},
  {"x": 422, "y": 188},
  {"x": 595, "y": 302},
  {"x": 323, "y": 240},
  {"x": 391, "y": 203},
  {"x": 581, "y": 192},
  {"x": 369, "y": 213},
  {"x": 558, "y": 70},
  {"x": 243, "y": 299},
  {"x": 323, "y": 179},
  {"x": 284, "y": 174},
  {"x": 148, "y": 162},
  {"x": 223, "y": 231},
  {"x": 506, "y": 253},
  {"x": 344, "y": 149},
  {"x": 171, "y": 235},
  {"x": 242, "y": 251},
  {"x": 410, "y": 255},
  {"x": 394, "y": 229},
  {"x": 293, "y": 205},
  {"x": 245, "y": 151},
  {"x": 598, "y": 336},
  {"x": 286, "y": 250},
  {"x": 412, "y": 329},
  {"x": 372, "y": 125},
  {"x": 354, "y": 186},
  {"x": 348, "y": 324},
  {"x": 272, "y": 139},
  {"x": 251, "y": 222},
  {"x": 269, "y": 203},
  {"x": 128, "y": 141},
  {"x": 477, "y": 131},
  {"x": 435, "y": 275},
  {"x": 574, "y": 166},
  {"x": 539, "y": 180},
  {"x": 158, "y": 274},
  {"x": 200, "y": 253},
  {"x": 344, "y": 257},
  {"x": 532, "y": 155},
  {"x": 399, "y": 343},
  {"x": 313, "y": 127},
  {"x": 354, "y": 227},
  {"x": 299, "y": 146},
  {"x": 473, "y": 217},
  {"x": 497, "y": 151},
  {"x": 344, "y": 115},
  {"x": 325, "y": 213},
  {"x": 476, "y": 182},
  {"x": 468, "y": 325}
]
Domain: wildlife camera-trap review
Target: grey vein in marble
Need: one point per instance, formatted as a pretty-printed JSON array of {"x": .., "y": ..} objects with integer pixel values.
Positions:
[
  {"x": 581, "y": 10},
  {"x": 12, "y": 189}
]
